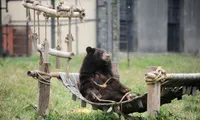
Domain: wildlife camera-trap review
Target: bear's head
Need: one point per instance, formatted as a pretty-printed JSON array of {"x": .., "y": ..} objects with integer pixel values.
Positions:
[
  {"x": 98, "y": 54},
  {"x": 96, "y": 60}
]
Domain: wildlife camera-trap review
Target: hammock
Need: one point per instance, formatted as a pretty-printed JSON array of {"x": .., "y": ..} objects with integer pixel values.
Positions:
[{"x": 137, "y": 104}]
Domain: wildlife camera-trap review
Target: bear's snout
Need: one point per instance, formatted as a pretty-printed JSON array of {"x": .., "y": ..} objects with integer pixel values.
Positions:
[{"x": 106, "y": 57}]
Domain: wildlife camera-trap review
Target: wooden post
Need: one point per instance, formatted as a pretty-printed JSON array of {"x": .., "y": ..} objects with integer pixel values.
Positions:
[
  {"x": 115, "y": 69},
  {"x": 57, "y": 62},
  {"x": 153, "y": 99},
  {"x": 115, "y": 37},
  {"x": 44, "y": 90}
]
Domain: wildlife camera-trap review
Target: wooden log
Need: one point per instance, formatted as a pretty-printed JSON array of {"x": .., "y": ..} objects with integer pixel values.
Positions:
[
  {"x": 60, "y": 7},
  {"x": 153, "y": 99},
  {"x": 115, "y": 69},
  {"x": 44, "y": 89},
  {"x": 44, "y": 94},
  {"x": 183, "y": 76},
  {"x": 52, "y": 12},
  {"x": 33, "y": 73},
  {"x": 57, "y": 53},
  {"x": 115, "y": 36},
  {"x": 68, "y": 8}
]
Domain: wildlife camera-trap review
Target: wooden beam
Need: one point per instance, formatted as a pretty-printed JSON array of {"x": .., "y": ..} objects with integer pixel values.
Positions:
[
  {"x": 33, "y": 73},
  {"x": 68, "y": 8},
  {"x": 52, "y": 12},
  {"x": 183, "y": 76},
  {"x": 115, "y": 69},
  {"x": 57, "y": 53}
]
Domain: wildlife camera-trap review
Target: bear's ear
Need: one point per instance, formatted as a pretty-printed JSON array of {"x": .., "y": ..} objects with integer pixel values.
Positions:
[{"x": 90, "y": 50}]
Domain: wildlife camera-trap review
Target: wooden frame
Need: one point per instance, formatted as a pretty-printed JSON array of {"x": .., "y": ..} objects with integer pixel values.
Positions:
[
  {"x": 154, "y": 90},
  {"x": 55, "y": 52},
  {"x": 52, "y": 12},
  {"x": 44, "y": 49}
]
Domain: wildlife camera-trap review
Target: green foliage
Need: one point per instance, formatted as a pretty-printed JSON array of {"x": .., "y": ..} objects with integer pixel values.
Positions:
[{"x": 18, "y": 92}]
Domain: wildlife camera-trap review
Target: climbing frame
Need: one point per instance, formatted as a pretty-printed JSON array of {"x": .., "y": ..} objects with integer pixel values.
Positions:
[{"x": 44, "y": 49}]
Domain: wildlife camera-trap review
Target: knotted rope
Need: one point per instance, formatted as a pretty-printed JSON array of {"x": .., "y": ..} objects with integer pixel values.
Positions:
[
  {"x": 40, "y": 76},
  {"x": 156, "y": 74}
]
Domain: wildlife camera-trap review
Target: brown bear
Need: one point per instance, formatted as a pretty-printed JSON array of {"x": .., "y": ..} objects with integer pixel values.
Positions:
[{"x": 96, "y": 77}]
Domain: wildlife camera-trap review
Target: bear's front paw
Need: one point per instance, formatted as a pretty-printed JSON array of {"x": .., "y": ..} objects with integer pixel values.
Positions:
[{"x": 126, "y": 90}]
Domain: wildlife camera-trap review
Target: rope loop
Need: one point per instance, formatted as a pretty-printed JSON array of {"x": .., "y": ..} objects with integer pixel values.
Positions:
[
  {"x": 42, "y": 77},
  {"x": 155, "y": 74}
]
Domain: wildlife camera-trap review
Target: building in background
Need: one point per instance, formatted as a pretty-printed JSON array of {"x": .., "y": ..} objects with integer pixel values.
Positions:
[
  {"x": 145, "y": 25},
  {"x": 152, "y": 25}
]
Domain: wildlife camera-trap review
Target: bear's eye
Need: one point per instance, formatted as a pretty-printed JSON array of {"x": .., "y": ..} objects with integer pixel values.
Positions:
[{"x": 98, "y": 54}]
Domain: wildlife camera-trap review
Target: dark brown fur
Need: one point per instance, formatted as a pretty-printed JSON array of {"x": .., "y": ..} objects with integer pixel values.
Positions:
[{"x": 96, "y": 69}]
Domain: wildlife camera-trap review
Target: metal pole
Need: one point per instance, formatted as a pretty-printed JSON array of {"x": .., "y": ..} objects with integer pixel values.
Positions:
[
  {"x": 127, "y": 38},
  {"x": 1, "y": 37},
  {"x": 53, "y": 27}
]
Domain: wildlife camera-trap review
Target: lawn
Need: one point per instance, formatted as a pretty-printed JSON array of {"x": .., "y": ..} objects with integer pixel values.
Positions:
[{"x": 18, "y": 92}]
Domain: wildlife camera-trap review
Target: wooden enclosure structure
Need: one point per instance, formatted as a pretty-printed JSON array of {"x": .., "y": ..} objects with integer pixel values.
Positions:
[
  {"x": 62, "y": 11},
  {"x": 162, "y": 87}
]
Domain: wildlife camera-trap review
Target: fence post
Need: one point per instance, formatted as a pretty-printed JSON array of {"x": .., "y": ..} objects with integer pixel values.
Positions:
[
  {"x": 44, "y": 90},
  {"x": 153, "y": 99}
]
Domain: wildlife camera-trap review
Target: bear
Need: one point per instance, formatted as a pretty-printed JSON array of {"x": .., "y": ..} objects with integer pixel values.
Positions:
[{"x": 96, "y": 77}]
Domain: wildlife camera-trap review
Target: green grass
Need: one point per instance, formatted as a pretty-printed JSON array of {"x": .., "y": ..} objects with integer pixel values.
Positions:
[{"x": 18, "y": 92}]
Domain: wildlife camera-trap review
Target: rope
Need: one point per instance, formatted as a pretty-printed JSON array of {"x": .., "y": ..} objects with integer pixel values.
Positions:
[
  {"x": 159, "y": 75},
  {"x": 34, "y": 20},
  {"x": 42, "y": 77},
  {"x": 124, "y": 97},
  {"x": 67, "y": 68},
  {"x": 104, "y": 85},
  {"x": 28, "y": 19},
  {"x": 38, "y": 19},
  {"x": 58, "y": 35},
  {"x": 45, "y": 27},
  {"x": 102, "y": 100}
]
